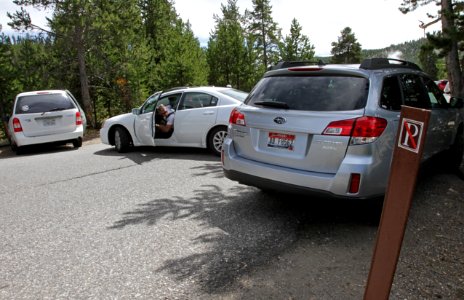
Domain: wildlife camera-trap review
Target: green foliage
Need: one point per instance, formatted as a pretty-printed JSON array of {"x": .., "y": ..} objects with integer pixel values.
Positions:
[
  {"x": 113, "y": 54},
  {"x": 296, "y": 46},
  {"x": 448, "y": 43},
  {"x": 346, "y": 50},
  {"x": 428, "y": 59},
  {"x": 406, "y": 51},
  {"x": 264, "y": 31},
  {"x": 226, "y": 52}
]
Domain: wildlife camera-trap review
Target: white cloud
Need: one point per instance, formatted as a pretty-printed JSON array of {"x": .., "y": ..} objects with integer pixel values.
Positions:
[{"x": 375, "y": 23}]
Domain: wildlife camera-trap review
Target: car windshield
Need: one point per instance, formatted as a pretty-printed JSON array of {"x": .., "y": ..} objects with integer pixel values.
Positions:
[
  {"x": 312, "y": 93},
  {"x": 43, "y": 103},
  {"x": 236, "y": 94}
]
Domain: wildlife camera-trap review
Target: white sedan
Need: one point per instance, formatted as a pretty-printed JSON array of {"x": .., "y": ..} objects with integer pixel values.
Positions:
[{"x": 201, "y": 119}]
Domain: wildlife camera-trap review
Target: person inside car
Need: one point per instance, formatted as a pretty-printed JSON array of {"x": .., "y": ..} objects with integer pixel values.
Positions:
[{"x": 164, "y": 126}]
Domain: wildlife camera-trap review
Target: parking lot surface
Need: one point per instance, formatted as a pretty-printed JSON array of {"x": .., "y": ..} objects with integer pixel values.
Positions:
[{"x": 165, "y": 224}]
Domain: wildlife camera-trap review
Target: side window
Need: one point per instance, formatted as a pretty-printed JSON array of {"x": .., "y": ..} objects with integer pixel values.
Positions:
[
  {"x": 435, "y": 94},
  {"x": 390, "y": 97},
  {"x": 197, "y": 100},
  {"x": 149, "y": 105},
  {"x": 413, "y": 91},
  {"x": 170, "y": 100}
]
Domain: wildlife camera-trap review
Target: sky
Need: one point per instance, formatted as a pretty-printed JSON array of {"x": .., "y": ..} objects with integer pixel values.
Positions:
[{"x": 375, "y": 23}]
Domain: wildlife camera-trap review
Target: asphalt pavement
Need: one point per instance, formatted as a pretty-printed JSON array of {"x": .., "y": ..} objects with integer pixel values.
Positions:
[{"x": 165, "y": 224}]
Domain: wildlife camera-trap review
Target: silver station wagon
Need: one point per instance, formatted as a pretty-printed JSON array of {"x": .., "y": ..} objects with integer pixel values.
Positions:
[{"x": 331, "y": 129}]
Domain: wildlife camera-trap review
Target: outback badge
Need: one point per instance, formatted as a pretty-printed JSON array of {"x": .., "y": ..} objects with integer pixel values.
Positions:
[{"x": 280, "y": 120}]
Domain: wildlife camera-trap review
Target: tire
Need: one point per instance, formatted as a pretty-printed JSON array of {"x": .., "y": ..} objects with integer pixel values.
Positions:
[
  {"x": 77, "y": 143},
  {"x": 121, "y": 140},
  {"x": 13, "y": 146},
  {"x": 216, "y": 139},
  {"x": 456, "y": 152}
]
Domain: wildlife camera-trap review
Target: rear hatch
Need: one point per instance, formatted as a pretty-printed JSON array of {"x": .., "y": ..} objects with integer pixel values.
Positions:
[
  {"x": 46, "y": 114},
  {"x": 300, "y": 122}
]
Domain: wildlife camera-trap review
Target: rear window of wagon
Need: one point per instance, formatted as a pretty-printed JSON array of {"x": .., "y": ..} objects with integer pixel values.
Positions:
[
  {"x": 43, "y": 103},
  {"x": 312, "y": 93}
]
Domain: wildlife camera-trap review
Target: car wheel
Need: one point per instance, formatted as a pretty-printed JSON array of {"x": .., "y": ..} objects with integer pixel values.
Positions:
[
  {"x": 121, "y": 140},
  {"x": 13, "y": 146},
  {"x": 456, "y": 152},
  {"x": 216, "y": 139},
  {"x": 77, "y": 143}
]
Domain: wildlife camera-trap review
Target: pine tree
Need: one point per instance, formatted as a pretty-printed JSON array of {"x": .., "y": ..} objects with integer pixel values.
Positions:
[
  {"x": 296, "y": 46},
  {"x": 347, "y": 50},
  {"x": 449, "y": 40},
  {"x": 264, "y": 31},
  {"x": 226, "y": 49}
]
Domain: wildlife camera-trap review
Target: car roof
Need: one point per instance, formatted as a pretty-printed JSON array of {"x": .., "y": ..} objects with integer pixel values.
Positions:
[
  {"x": 366, "y": 67},
  {"x": 33, "y": 93}
]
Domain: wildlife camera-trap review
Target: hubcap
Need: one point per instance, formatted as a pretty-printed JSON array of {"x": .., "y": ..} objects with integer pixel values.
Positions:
[{"x": 218, "y": 140}]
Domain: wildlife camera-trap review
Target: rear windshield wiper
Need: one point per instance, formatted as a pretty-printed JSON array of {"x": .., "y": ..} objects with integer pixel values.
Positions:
[
  {"x": 276, "y": 104},
  {"x": 54, "y": 109},
  {"x": 58, "y": 108}
]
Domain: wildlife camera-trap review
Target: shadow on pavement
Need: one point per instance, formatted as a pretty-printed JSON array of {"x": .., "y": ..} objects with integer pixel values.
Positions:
[
  {"x": 251, "y": 228},
  {"x": 140, "y": 155}
]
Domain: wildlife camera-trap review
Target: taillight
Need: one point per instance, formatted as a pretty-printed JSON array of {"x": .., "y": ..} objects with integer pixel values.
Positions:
[
  {"x": 237, "y": 118},
  {"x": 362, "y": 130},
  {"x": 340, "y": 128},
  {"x": 17, "y": 125},
  {"x": 78, "y": 118}
]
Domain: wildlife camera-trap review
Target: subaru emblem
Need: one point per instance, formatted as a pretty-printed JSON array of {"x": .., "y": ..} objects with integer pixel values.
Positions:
[{"x": 280, "y": 120}]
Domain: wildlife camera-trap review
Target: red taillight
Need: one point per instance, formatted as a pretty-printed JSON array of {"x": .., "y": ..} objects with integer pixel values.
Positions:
[
  {"x": 340, "y": 128},
  {"x": 355, "y": 180},
  {"x": 17, "y": 125},
  {"x": 78, "y": 118},
  {"x": 362, "y": 130},
  {"x": 369, "y": 127},
  {"x": 305, "y": 69},
  {"x": 237, "y": 118}
]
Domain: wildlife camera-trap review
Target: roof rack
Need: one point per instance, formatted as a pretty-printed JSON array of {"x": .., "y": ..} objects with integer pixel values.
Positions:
[
  {"x": 383, "y": 63},
  {"x": 289, "y": 64}
]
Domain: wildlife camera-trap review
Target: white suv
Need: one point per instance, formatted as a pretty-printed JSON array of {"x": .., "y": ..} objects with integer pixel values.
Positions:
[
  {"x": 46, "y": 116},
  {"x": 331, "y": 128}
]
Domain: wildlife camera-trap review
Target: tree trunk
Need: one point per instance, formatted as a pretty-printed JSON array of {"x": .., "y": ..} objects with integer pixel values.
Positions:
[
  {"x": 452, "y": 57},
  {"x": 83, "y": 77}
]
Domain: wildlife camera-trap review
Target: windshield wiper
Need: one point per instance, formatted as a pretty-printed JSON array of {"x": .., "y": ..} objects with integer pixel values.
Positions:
[
  {"x": 276, "y": 104},
  {"x": 54, "y": 109},
  {"x": 57, "y": 109}
]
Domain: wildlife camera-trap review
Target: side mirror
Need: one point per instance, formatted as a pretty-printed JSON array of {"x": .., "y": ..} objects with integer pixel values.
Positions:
[
  {"x": 136, "y": 111},
  {"x": 456, "y": 102}
]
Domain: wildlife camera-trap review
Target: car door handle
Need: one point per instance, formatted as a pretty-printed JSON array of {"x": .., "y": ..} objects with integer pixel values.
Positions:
[{"x": 208, "y": 113}]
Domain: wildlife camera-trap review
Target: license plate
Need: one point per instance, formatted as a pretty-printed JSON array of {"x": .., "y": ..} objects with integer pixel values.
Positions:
[
  {"x": 49, "y": 122},
  {"x": 281, "y": 140}
]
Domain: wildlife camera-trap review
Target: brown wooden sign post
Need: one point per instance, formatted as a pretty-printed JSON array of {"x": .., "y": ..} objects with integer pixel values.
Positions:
[{"x": 401, "y": 184}]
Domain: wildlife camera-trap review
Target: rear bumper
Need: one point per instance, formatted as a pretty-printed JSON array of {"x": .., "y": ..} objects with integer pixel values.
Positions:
[
  {"x": 279, "y": 178},
  {"x": 21, "y": 140}
]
